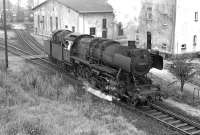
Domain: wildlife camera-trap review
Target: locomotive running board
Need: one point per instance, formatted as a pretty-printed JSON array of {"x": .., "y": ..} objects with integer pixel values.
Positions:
[{"x": 98, "y": 93}]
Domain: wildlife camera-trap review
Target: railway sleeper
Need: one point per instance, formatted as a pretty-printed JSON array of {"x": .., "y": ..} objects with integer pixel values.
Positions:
[
  {"x": 181, "y": 125},
  {"x": 186, "y": 128},
  {"x": 195, "y": 132},
  {"x": 162, "y": 116}
]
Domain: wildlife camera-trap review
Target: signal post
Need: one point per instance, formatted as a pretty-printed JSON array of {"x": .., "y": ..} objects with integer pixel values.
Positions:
[{"x": 5, "y": 33}]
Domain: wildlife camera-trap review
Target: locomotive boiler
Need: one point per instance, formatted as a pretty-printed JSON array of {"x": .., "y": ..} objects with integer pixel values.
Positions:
[{"x": 120, "y": 71}]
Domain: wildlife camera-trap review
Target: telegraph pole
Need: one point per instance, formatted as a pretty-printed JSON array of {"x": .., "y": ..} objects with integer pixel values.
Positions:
[{"x": 5, "y": 33}]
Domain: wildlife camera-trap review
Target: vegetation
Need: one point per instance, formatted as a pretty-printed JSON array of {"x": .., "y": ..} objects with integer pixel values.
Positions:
[
  {"x": 183, "y": 70},
  {"x": 172, "y": 91},
  {"x": 36, "y": 103}
]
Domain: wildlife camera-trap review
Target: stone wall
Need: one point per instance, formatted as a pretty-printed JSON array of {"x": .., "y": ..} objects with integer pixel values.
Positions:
[{"x": 160, "y": 25}]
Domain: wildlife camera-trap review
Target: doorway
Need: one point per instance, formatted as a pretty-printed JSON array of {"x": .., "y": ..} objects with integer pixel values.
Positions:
[{"x": 148, "y": 40}]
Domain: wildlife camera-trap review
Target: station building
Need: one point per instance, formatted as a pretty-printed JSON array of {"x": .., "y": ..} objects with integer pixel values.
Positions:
[
  {"x": 94, "y": 17},
  {"x": 172, "y": 26}
]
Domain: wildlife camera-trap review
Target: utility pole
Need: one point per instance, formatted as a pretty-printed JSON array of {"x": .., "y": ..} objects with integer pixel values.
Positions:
[{"x": 5, "y": 33}]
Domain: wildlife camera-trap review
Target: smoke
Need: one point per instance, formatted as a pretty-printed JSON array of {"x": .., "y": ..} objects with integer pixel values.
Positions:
[{"x": 126, "y": 11}]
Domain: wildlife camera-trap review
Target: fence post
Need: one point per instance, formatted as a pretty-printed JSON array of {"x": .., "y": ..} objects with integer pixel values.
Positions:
[
  {"x": 198, "y": 97},
  {"x": 193, "y": 98}
]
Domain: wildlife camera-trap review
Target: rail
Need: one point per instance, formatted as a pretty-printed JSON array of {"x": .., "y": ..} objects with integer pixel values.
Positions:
[
  {"x": 28, "y": 41},
  {"x": 172, "y": 119}
]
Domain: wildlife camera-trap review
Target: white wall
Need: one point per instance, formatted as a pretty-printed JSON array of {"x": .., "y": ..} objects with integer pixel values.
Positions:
[
  {"x": 96, "y": 20},
  {"x": 68, "y": 17},
  {"x": 54, "y": 9},
  {"x": 161, "y": 25},
  {"x": 186, "y": 26}
]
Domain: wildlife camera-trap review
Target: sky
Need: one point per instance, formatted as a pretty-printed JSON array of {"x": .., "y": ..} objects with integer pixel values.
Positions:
[{"x": 24, "y": 3}]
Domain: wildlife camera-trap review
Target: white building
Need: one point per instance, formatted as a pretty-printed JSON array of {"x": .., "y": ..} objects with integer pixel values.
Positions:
[
  {"x": 94, "y": 17},
  {"x": 187, "y": 26},
  {"x": 174, "y": 25}
]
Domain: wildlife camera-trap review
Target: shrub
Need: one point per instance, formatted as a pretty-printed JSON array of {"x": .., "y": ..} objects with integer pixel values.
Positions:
[{"x": 183, "y": 71}]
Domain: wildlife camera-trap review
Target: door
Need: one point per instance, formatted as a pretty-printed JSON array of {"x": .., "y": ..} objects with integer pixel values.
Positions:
[
  {"x": 148, "y": 40},
  {"x": 104, "y": 34}
]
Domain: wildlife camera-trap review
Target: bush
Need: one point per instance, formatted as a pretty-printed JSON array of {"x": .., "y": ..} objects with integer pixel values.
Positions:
[{"x": 183, "y": 71}]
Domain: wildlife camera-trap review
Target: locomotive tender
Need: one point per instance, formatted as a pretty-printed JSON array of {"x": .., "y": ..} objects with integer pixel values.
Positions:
[{"x": 120, "y": 71}]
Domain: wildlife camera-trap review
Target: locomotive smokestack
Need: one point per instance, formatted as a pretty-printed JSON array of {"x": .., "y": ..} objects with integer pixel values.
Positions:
[{"x": 132, "y": 44}]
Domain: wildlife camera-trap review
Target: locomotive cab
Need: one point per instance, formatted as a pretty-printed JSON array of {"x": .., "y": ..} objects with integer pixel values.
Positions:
[
  {"x": 55, "y": 45},
  {"x": 67, "y": 42}
]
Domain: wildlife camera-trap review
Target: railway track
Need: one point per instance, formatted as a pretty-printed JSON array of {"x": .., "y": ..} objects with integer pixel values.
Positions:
[
  {"x": 33, "y": 40},
  {"x": 173, "y": 120},
  {"x": 14, "y": 44},
  {"x": 12, "y": 48},
  {"x": 27, "y": 41},
  {"x": 152, "y": 110},
  {"x": 22, "y": 53},
  {"x": 42, "y": 62},
  {"x": 169, "y": 118}
]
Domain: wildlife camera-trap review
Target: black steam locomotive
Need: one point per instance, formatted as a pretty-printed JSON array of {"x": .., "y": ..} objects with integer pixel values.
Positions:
[{"x": 120, "y": 71}]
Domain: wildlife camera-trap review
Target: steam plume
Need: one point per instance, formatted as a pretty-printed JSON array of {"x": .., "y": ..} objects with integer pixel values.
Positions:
[{"x": 126, "y": 11}]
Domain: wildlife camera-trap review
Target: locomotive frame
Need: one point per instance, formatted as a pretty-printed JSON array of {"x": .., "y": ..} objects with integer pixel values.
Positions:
[{"x": 114, "y": 69}]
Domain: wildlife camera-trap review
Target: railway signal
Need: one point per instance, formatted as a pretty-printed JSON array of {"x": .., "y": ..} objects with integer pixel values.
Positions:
[{"x": 5, "y": 34}]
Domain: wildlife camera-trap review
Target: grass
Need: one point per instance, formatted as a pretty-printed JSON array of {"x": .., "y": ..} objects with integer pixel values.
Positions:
[{"x": 35, "y": 103}]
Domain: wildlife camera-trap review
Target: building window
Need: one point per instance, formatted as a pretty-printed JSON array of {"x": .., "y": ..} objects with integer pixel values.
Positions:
[
  {"x": 149, "y": 13},
  {"x": 120, "y": 30},
  {"x": 73, "y": 29},
  {"x": 183, "y": 46},
  {"x": 164, "y": 46},
  {"x": 56, "y": 22},
  {"x": 38, "y": 21},
  {"x": 196, "y": 16},
  {"x": 104, "y": 23},
  {"x": 51, "y": 24},
  {"x": 195, "y": 40},
  {"x": 92, "y": 31},
  {"x": 137, "y": 36},
  {"x": 43, "y": 22}
]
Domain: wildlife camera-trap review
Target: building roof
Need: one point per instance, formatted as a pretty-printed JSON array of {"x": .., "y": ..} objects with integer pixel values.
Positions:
[{"x": 84, "y": 6}]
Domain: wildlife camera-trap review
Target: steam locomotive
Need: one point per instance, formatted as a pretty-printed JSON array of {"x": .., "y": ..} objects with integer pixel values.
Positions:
[{"x": 120, "y": 71}]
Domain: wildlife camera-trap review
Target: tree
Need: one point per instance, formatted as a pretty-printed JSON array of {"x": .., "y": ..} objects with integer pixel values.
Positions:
[{"x": 183, "y": 70}]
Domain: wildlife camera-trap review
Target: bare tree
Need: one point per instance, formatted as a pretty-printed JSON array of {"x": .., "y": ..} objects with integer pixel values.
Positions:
[{"x": 183, "y": 70}]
